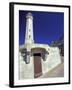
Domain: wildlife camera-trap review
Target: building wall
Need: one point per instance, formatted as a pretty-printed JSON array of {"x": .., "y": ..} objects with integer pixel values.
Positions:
[
  {"x": 26, "y": 71},
  {"x": 52, "y": 60}
]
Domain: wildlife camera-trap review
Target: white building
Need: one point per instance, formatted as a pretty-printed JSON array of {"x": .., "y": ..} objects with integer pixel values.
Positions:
[{"x": 36, "y": 59}]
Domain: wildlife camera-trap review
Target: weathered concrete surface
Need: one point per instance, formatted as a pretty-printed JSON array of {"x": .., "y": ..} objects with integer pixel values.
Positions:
[
  {"x": 52, "y": 60},
  {"x": 26, "y": 71},
  {"x": 56, "y": 72}
]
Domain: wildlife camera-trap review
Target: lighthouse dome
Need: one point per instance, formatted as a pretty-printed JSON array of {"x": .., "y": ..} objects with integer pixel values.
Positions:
[{"x": 29, "y": 15}]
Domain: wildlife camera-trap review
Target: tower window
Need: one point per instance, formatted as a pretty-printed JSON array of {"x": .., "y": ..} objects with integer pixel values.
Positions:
[
  {"x": 29, "y": 30},
  {"x": 29, "y": 36}
]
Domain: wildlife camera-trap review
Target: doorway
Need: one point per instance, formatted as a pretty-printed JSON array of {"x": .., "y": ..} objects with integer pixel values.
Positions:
[{"x": 37, "y": 65}]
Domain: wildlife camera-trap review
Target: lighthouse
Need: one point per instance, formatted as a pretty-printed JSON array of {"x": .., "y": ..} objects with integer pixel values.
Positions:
[
  {"x": 29, "y": 29},
  {"x": 36, "y": 59},
  {"x": 29, "y": 39}
]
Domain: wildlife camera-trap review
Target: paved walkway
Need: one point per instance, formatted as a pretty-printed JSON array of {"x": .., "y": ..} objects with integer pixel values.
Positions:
[{"x": 56, "y": 72}]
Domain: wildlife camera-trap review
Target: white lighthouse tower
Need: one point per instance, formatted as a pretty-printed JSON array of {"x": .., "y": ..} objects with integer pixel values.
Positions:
[{"x": 29, "y": 29}]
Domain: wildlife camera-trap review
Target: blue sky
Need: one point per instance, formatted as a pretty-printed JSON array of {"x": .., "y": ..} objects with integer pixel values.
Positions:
[{"x": 47, "y": 26}]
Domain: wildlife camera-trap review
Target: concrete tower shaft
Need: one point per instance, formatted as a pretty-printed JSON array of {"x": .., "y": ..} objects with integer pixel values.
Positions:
[{"x": 29, "y": 29}]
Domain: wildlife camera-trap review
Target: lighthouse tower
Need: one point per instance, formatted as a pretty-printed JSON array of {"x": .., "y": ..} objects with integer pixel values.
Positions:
[{"x": 29, "y": 29}]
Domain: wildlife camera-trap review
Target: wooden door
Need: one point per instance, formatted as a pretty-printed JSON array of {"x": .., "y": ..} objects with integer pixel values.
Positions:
[{"x": 37, "y": 65}]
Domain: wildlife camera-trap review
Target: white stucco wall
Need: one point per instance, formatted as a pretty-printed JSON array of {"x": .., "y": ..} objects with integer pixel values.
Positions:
[
  {"x": 53, "y": 59},
  {"x": 26, "y": 71}
]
